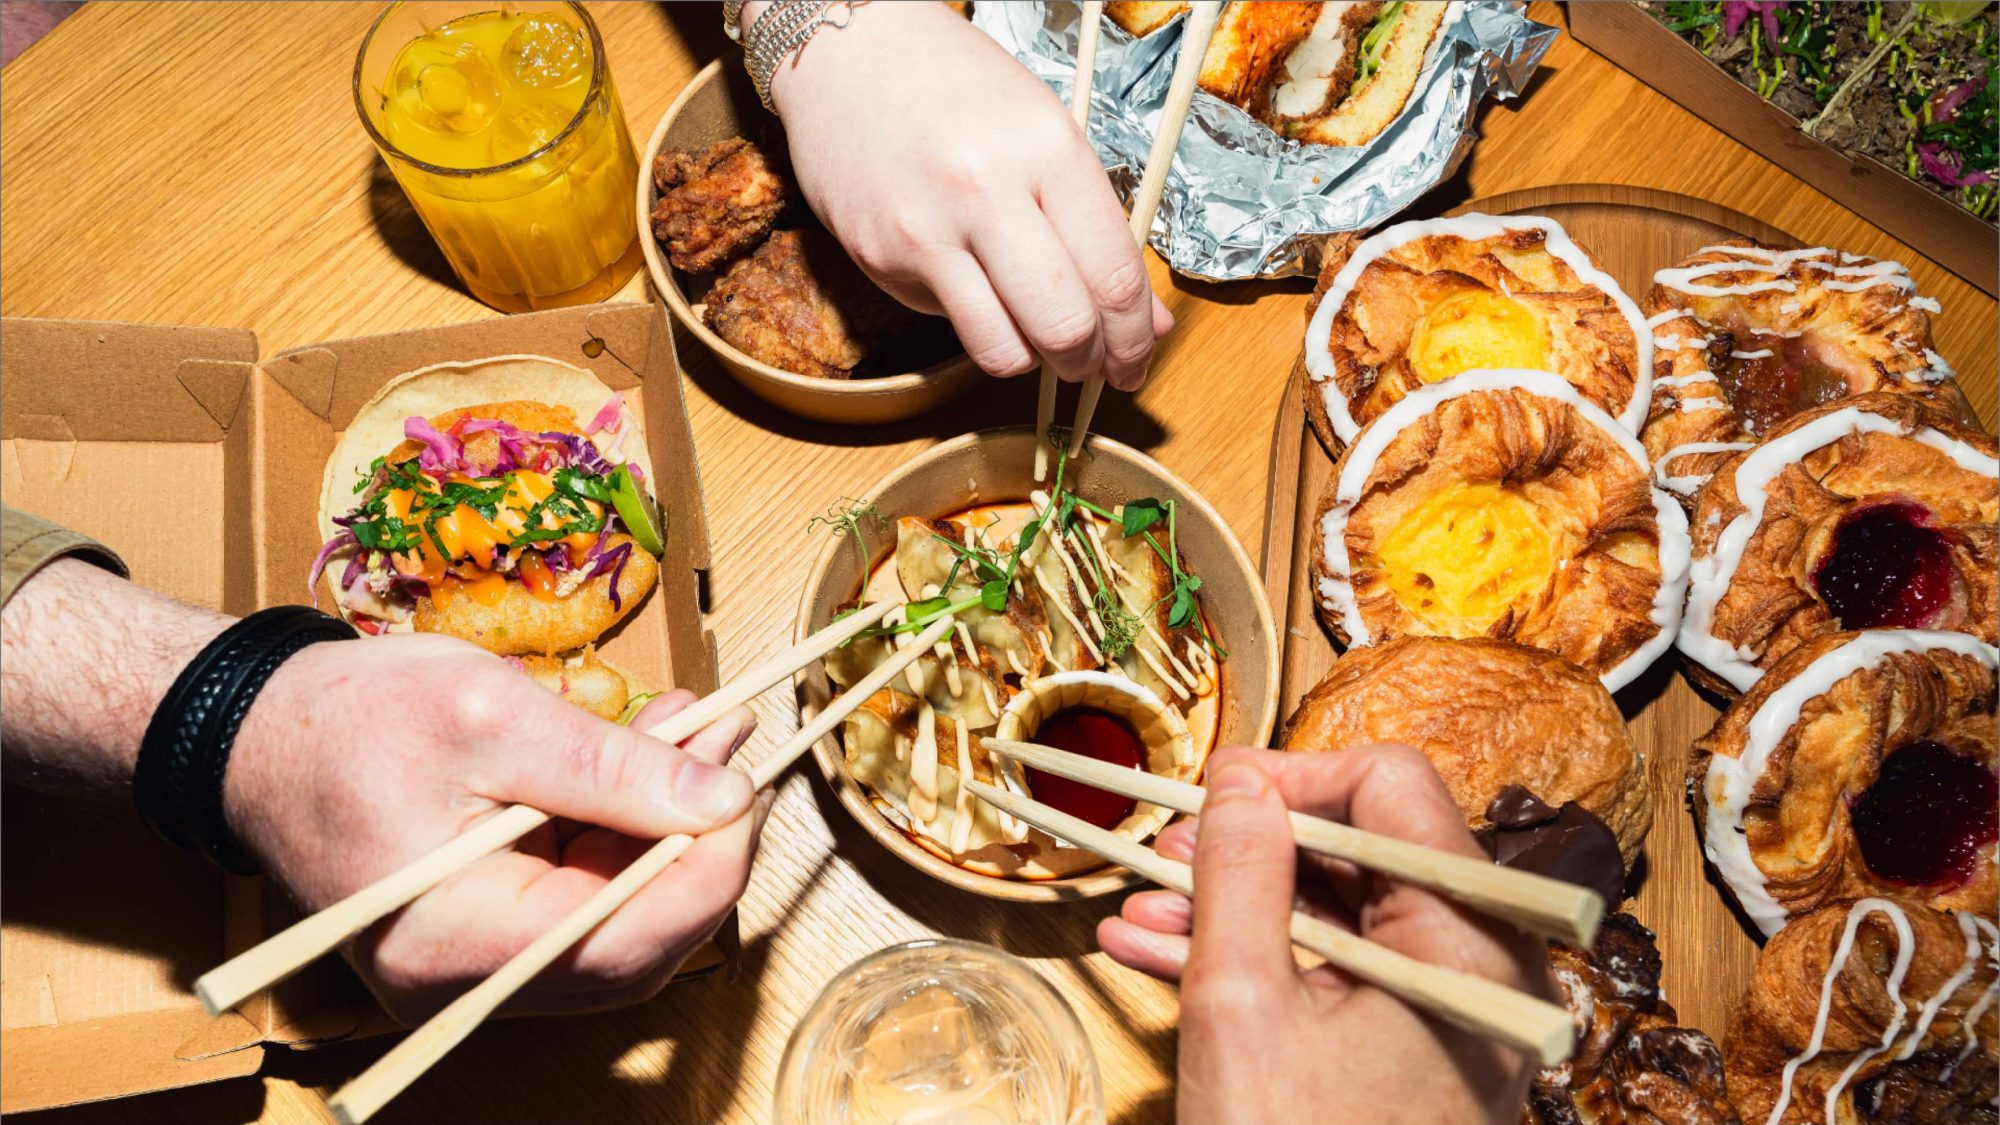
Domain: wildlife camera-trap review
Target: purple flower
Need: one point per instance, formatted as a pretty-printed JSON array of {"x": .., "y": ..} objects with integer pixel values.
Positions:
[
  {"x": 1736, "y": 12},
  {"x": 1945, "y": 103},
  {"x": 1948, "y": 167}
]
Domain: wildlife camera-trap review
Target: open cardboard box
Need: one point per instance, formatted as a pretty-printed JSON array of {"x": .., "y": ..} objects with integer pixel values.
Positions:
[
  {"x": 1933, "y": 225},
  {"x": 200, "y": 464}
]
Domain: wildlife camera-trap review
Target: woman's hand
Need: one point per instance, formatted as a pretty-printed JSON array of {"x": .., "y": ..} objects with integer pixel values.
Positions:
[
  {"x": 958, "y": 181},
  {"x": 1263, "y": 1041},
  {"x": 358, "y": 757}
]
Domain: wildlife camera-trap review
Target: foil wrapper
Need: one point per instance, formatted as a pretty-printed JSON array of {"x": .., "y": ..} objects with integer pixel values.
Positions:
[{"x": 1241, "y": 201}]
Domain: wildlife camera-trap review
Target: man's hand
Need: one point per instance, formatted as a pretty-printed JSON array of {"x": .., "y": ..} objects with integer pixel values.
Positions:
[
  {"x": 959, "y": 183},
  {"x": 1263, "y": 1041},
  {"x": 359, "y": 757}
]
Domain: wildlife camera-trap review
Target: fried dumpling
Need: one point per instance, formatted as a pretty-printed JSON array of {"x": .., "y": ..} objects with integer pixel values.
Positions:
[
  {"x": 1170, "y": 661},
  {"x": 912, "y": 757},
  {"x": 924, "y": 564}
]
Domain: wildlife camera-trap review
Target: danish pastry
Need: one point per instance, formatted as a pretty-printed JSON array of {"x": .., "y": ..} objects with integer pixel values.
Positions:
[
  {"x": 1632, "y": 1064},
  {"x": 1490, "y": 716},
  {"x": 1502, "y": 504},
  {"x": 1871, "y": 1011},
  {"x": 1746, "y": 335},
  {"x": 1874, "y": 512},
  {"x": 1864, "y": 763},
  {"x": 1421, "y": 302}
]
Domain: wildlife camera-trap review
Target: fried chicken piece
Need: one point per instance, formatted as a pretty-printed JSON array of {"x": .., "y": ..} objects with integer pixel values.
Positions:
[
  {"x": 583, "y": 680},
  {"x": 518, "y": 623},
  {"x": 800, "y": 304},
  {"x": 715, "y": 204}
]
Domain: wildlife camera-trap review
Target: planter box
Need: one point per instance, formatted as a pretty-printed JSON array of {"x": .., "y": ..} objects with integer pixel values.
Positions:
[{"x": 1931, "y": 224}]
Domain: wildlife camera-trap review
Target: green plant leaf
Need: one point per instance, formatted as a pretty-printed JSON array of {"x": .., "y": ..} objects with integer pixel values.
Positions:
[
  {"x": 1142, "y": 514},
  {"x": 993, "y": 596}
]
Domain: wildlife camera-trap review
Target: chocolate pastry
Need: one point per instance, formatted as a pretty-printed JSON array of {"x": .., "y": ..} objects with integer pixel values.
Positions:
[
  {"x": 1489, "y": 715},
  {"x": 1866, "y": 1012},
  {"x": 1861, "y": 764},
  {"x": 1502, "y": 504},
  {"x": 1633, "y": 1065},
  {"x": 1567, "y": 843},
  {"x": 1874, "y": 512}
]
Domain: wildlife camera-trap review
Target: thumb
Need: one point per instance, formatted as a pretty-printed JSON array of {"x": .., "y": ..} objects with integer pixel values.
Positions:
[
  {"x": 1243, "y": 875},
  {"x": 614, "y": 777}
]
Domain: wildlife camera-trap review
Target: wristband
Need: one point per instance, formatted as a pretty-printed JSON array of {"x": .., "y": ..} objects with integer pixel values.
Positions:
[{"x": 184, "y": 755}]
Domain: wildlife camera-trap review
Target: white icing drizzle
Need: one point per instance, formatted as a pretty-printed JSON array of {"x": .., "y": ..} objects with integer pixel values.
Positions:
[
  {"x": 923, "y": 767},
  {"x": 1686, "y": 485},
  {"x": 1660, "y": 319},
  {"x": 1934, "y": 370},
  {"x": 1675, "y": 343},
  {"x": 961, "y": 806},
  {"x": 1727, "y": 786},
  {"x": 1337, "y": 592},
  {"x": 1712, "y": 574},
  {"x": 1985, "y": 1001},
  {"x": 1905, "y": 946},
  {"x": 1928, "y": 304},
  {"x": 1970, "y": 965},
  {"x": 1759, "y": 354},
  {"x": 1473, "y": 226},
  {"x": 1698, "y": 405},
  {"x": 1675, "y": 381}
]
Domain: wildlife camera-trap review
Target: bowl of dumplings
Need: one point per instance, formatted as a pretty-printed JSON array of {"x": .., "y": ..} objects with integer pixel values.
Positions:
[{"x": 1107, "y": 611}]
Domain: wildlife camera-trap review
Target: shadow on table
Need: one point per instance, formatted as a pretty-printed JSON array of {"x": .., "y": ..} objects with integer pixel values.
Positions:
[
  {"x": 404, "y": 233},
  {"x": 989, "y": 404}
]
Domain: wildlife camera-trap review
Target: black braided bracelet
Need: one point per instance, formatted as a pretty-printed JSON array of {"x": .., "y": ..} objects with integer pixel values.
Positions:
[{"x": 185, "y": 753}]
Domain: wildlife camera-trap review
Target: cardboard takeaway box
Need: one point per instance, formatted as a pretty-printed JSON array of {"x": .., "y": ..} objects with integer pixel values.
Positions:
[
  {"x": 1931, "y": 224},
  {"x": 199, "y": 462}
]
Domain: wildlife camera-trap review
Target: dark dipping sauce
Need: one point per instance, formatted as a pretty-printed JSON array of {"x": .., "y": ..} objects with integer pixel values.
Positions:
[{"x": 1094, "y": 734}]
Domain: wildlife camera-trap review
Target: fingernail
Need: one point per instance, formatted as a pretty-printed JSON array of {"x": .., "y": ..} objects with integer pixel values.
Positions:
[
  {"x": 1176, "y": 845},
  {"x": 1236, "y": 782},
  {"x": 711, "y": 792}
]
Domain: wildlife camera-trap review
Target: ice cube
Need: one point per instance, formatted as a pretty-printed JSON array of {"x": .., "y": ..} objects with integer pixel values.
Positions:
[
  {"x": 526, "y": 126},
  {"x": 544, "y": 53},
  {"x": 445, "y": 87}
]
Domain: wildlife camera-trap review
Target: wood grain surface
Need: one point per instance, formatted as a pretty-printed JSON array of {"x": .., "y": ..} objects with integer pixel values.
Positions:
[{"x": 202, "y": 164}]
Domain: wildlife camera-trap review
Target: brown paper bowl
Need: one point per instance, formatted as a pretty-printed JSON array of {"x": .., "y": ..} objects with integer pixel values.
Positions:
[
  {"x": 996, "y": 466},
  {"x": 719, "y": 103}
]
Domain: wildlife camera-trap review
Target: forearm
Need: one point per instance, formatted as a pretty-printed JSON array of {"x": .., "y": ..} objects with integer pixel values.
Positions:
[{"x": 85, "y": 657}]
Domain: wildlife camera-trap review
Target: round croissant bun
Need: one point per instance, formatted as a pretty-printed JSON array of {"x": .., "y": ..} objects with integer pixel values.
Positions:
[
  {"x": 1887, "y": 1009},
  {"x": 1489, "y": 714}
]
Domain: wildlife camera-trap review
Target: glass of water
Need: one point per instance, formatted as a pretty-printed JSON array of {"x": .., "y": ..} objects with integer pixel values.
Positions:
[{"x": 939, "y": 1031}]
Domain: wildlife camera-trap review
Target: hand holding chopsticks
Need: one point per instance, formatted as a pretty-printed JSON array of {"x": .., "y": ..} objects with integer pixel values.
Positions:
[{"x": 1476, "y": 1004}]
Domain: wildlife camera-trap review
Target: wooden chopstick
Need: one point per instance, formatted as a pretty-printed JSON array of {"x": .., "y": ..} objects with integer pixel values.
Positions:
[
  {"x": 406, "y": 1061},
  {"x": 1541, "y": 905},
  {"x": 1481, "y": 1006},
  {"x": 1195, "y": 34},
  {"x": 304, "y": 942},
  {"x": 1088, "y": 32}
]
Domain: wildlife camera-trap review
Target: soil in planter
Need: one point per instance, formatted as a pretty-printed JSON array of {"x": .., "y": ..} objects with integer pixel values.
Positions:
[{"x": 1913, "y": 85}]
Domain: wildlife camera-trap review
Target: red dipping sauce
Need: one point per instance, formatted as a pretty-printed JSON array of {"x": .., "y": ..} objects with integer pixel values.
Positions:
[{"x": 1094, "y": 734}]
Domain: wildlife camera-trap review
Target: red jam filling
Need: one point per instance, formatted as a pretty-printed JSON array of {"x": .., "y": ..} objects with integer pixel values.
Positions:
[
  {"x": 1095, "y": 734},
  {"x": 1767, "y": 388},
  {"x": 1928, "y": 817},
  {"x": 1888, "y": 569}
]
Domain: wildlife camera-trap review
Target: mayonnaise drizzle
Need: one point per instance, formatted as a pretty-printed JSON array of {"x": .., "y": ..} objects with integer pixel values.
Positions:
[
  {"x": 1729, "y": 782},
  {"x": 1319, "y": 332},
  {"x": 1337, "y": 592},
  {"x": 1712, "y": 574},
  {"x": 923, "y": 767},
  {"x": 961, "y": 807}
]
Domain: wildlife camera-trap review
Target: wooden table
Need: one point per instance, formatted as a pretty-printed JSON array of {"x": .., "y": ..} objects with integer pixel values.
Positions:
[{"x": 202, "y": 164}]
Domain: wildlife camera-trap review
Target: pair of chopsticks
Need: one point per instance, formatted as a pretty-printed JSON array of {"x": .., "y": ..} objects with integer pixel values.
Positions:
[
  {"x": 1544, "y": 906},
  {"x": 291, "y": 950},
  {"x": 1195, "y": 34}
]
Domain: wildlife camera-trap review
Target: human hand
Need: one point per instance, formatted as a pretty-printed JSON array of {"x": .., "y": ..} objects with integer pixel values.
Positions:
[
  {"x": 1262, "y": 1040},
  {"x": 359, "y": 757},
  {"x": 959, "y": 183}
]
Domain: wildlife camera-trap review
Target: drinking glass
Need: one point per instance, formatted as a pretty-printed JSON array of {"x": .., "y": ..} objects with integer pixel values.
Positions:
[
  {"x": 939, "y": 1031},
  {"x": 548, "y": 223}
]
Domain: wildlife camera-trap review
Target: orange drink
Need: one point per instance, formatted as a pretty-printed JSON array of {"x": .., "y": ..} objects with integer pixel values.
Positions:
[{"x": 505, "y": 131}]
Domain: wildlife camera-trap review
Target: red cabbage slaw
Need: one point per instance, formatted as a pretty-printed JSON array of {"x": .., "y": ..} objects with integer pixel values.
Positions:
[{"x": 375, "y": 581}]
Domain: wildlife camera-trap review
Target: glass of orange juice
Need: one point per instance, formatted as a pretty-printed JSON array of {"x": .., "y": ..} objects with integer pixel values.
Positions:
[{"x": 505, "y": 131}]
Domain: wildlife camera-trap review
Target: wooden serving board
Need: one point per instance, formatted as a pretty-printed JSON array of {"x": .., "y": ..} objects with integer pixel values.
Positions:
[{"x": 1706, "y": 951}]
